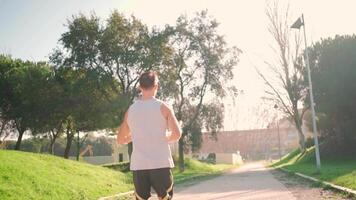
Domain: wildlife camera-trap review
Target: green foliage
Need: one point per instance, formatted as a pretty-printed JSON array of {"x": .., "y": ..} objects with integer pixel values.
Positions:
[
  {"x": 101, "y": 145},
  {"x": 41, "y": 98},
  {"x": 38, "y": 176},
  {"x": 121, "y": 48},
  {"x": 96, "y": 70},
  {"x": 333, "y": 66},
  {"x": 89, "y": 99},
  {"x": 23, "y": 96},
  {"x": 201, "y": 64},
  {"x": 192, "y": 59}
]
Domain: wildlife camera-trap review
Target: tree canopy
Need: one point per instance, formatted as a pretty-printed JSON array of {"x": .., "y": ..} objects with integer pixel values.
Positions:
[
  {"x": 333, "y": 68},
  {"x": 202, "y": 65},
  {"x": 93, "y": 73}
]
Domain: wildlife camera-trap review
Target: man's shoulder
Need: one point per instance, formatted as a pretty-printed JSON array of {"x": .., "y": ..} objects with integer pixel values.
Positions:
[
  {"x": 163, "y": 104},
  {"x": 133, "y": 105}
]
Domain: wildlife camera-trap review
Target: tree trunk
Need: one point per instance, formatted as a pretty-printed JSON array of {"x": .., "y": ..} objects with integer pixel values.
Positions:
[
  {"x": 301, "y": 138},
  {"x": 53, "y": 141},
  {"x": 298, "y": 121},
  {"x": 19, "y": 140},
  {"x": 3, "y": 123},
  {"x": 181, "y": 154},
  {"x": 69, "y": 144},
  {"x": 78, "y": 145},
  {"x": 1, "y": 131},
  {"x": 51, "y": 146}
]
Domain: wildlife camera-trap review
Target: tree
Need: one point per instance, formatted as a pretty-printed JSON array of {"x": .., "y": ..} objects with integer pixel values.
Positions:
[
  {"x": 23, "y": 84},
  {"x": 286, "y": 83},
  {"x": 201, "y": 66},
  {"x": 122, "y": 48},
  {"x": 6, "y": 124},
  {"x": 333, "y": 70},
  {"x": 84, "y": 106},
  {"x": 53, "y": 113}
]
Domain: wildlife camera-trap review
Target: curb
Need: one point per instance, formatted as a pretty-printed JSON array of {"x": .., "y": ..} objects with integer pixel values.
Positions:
[{"x": 336, "y": 187}]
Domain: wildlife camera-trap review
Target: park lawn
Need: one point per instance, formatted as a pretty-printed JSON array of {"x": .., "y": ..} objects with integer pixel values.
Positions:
[
  {"x": 195, "y": 169},
  {"x": 340, "y": 171},
  {"x": 27, "y": 176}
]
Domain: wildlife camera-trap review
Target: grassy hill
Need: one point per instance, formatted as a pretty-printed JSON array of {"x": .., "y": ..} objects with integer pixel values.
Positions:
[
  {"x": 195, "y": 169},
  {"x": 337, "y": 170},
  {"x": 38, "y": 176}
]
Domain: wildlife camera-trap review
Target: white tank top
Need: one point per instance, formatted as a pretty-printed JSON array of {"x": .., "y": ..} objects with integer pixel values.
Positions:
[{"x": 148, "y": 132}]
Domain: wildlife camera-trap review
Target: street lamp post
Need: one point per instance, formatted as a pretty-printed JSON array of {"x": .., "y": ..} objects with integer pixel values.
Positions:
[{"x": 297, "y": 24}]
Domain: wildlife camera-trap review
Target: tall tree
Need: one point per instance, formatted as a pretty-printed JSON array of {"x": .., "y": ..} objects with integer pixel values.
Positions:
[
  {"x": 285, "y": 77},
  {"x": 201, "y": 65},
  {"x": 24, "y": 83},
  {"x": 6, "y": 65},
  {"x": 121, "y": 47},
  {"x": 53, "y": 115},
  {"x": 84, "y": 106},
  {"x": 333, "y": 69}
]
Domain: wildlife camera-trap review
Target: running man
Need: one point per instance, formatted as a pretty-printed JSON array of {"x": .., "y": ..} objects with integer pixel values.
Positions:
[{"x": 145, "y": 124}]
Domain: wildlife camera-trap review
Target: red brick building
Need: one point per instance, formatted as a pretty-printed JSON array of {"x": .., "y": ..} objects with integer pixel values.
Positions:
[{"x": 254, "y": 144}]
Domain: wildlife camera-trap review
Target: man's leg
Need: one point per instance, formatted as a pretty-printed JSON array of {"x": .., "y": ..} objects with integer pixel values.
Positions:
[
  {"x": 141, "y": 179},
  {"x": 162, "y": 182}
]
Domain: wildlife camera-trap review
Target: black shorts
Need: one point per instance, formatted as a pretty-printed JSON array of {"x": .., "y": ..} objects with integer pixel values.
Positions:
[{"x": 161, "y": 180}]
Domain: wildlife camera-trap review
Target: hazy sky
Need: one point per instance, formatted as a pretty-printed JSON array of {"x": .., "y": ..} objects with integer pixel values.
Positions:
[{"x": 30, "y": 29}]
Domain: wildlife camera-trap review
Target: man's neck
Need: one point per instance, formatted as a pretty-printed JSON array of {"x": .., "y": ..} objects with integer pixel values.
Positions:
[{"x": 147, "y": 96}]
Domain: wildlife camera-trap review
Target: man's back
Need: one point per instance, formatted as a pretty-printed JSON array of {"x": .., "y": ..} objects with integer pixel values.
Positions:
[
  {"x": 148, "y": 131},
  {"x": 145, "y": 124}
]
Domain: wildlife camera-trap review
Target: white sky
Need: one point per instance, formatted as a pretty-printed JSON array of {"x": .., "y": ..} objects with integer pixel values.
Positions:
[{"x": 30, "y": 30}]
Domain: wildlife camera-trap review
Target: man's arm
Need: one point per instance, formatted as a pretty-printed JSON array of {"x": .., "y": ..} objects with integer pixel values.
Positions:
[
  {"x": 123, "y": 134},
  {"x": 172, "y": 123}
]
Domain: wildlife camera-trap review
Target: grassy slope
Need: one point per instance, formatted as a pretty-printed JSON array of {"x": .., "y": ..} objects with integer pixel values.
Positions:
[
  {"x": 195, "y": 169},
  {"x": 37, "y": 176},
  {"x": 340, "y": 171}
]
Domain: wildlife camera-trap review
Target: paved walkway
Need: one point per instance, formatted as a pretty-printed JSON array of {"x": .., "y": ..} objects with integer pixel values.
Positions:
[{"x": 251, "y": 181}]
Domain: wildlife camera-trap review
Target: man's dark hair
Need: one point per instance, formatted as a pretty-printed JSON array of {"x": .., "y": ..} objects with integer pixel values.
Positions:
[{"x": 148, "y": 79}]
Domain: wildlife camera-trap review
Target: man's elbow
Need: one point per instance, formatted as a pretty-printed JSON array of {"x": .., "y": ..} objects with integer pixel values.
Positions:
[{"x": 177, "y": 135}]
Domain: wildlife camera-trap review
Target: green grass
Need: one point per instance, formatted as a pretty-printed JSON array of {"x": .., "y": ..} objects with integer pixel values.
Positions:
[
  {"x": 340, "y": 171},
  {"x": 29, "y": 176},
  {"x": 195, "y": 169},
  {"x": 39, "y": 176}
]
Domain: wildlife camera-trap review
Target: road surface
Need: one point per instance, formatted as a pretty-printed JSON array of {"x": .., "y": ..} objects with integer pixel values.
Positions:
[{"x": 251, "y": 181}]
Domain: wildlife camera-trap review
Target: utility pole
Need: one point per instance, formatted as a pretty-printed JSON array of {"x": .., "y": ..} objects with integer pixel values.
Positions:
[{"x": 299, "y": 23}]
